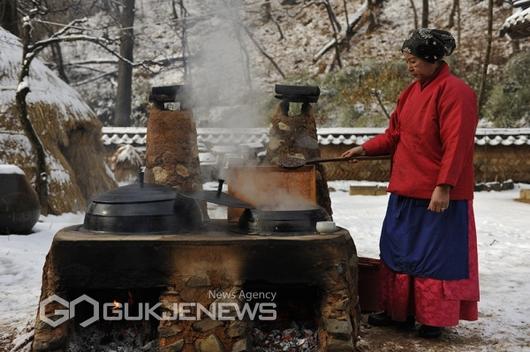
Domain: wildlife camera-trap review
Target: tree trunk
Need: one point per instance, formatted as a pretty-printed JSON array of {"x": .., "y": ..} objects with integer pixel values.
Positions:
[
  {"x": 415, "y": 13},
  {"x": 451, "y": 23},
  {"x": 373, "y": 22},
  {"x": 174, "y": 9},
  {"x": 41, "y": 178},
  {"x": 9, "y": 16},
  {"x": 483, "y": 80},
  {"x": 425, "y": 14},
  {"x": 458, "y": 23},
  {"x": 184, "y": 40},
  {"x": 122, "y": 113},
  {"x": 57, "y": 55},
  {"x": 516, "y": 47}
]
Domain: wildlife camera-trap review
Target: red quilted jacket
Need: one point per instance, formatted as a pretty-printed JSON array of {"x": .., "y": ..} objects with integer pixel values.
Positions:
[{"x": 431, "y": 138}]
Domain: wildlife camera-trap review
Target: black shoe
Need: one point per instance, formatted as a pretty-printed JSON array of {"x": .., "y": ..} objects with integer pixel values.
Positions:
[
  {"x": 409, "y": 324},
  {"x": 430, "y": 332},
  {"x": 380, "y": 319}
]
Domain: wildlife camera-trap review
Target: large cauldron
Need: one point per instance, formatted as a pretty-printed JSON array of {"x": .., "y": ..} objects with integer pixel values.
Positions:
[
  {"x": 19, "y": 204},
  {"x": 265, "y": 221},
  {"x": 143, "y": 208}
]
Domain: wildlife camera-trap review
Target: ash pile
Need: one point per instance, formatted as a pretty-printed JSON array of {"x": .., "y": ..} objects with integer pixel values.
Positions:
[{"x": 294, "y": 339}]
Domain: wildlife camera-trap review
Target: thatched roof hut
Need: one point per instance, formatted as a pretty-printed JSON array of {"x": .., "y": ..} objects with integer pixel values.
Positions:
[
  {"x": 125, "y": 163},
  {"x": 517, "y": 26},
  {"x": 69, "y": 130}
]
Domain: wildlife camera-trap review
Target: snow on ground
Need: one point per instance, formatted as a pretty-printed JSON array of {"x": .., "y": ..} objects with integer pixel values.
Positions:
[
  {"x": 503, "y": 227},
  {"x": 21, "y": 261}
]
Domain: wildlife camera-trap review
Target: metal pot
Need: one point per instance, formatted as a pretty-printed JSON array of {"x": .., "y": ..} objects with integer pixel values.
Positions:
[
  {"x": 143, "y": 208},
  {"x": 19, "y": 204},
  {"x": 260, "y": 221}
]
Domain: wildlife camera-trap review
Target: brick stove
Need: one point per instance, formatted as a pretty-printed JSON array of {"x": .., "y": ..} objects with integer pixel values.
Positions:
[
  {"x": 199, "y": 267},
  {"x": 206, "y": 278}
]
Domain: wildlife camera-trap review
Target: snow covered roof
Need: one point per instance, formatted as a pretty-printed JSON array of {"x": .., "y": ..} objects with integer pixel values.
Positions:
[
  {"x": 44, "y": 85},
  {"x": 517, "y": 26},
  {"x": 326, "y": 136}
]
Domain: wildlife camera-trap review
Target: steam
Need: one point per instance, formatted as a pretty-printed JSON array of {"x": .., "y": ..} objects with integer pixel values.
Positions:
[
  {"x": 221, "y": 79},
  {"x": 224, "y": 94}
]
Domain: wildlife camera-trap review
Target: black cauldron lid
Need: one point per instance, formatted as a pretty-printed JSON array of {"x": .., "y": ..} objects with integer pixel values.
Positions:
[
  {"x": 137, "y": 193},
  {"x": 143, "y": 208}
]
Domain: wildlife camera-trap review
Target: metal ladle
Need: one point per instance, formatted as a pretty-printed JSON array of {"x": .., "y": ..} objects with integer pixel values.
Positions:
[{"x": 295, "y": 163}]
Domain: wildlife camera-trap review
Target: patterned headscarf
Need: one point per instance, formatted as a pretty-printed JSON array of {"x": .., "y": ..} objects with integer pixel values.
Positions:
[{"x": 429, "y": 44}]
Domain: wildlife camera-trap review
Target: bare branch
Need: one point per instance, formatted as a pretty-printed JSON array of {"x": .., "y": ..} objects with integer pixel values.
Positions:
[
  {"x": 92, "y": 62},
  {"x": 95, "y": 78},
  {"x": 103, "y": 43},
  {"x": 263, "y": 51},
  {"x": 163, "y": 62},
  {"x": 66, "y": 27},
  {"x": 310, "y": 3},
  {"x": 377, "y": 94},
  {"x": 354, "y": 20},
  {"x": 88, "y": 68},
  {"x": 346, "y": 14},
  {"x": 278, "y": 26},
  {"x": 335, "y": 27}
]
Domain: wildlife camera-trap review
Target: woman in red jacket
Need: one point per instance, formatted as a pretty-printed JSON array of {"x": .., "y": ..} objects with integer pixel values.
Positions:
[{"x": 428, "y": 242}]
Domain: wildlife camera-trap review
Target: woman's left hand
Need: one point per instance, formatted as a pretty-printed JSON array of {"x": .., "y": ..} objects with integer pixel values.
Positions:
[{"x": 440, "y": 198}]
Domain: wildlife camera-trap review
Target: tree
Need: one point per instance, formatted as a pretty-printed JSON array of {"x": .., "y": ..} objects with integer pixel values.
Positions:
[
  {"x": 181, "y": 26},
  {"x": 30, "y": 49},
  {"x": 373, "y": 21},
  {"x": 122, "y": 113},
  {"x": 9, "y": 16},
  {"x": 487, "y": 57},
  {"x": 425, "y": 14},
  {"x": 336, "y": 28},
  {"x": 57, "y": 56},
  {"x": 415, "y": 13},
  {"x": 452, "y": 14},
  {"x": 455, "y": 10}
]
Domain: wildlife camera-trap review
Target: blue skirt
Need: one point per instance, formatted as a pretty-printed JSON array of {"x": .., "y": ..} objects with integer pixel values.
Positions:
[{"x": 420, "y": 242}]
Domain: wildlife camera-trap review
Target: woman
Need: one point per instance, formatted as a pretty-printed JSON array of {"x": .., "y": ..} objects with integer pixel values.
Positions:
[{"x": 428, "y": 241}]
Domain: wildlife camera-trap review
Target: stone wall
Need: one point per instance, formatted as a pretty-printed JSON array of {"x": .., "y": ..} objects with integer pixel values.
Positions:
[
  {"x": 492, "y": 163},
  {"x": 500, "y": 163}
]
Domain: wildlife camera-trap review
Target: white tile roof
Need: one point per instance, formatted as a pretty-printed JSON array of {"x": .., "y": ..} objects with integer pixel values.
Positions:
[{"x": 254, "y": 137}]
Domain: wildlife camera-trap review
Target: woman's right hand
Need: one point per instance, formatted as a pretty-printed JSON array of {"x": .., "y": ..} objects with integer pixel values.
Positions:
[{"x": 353, "y": 152}]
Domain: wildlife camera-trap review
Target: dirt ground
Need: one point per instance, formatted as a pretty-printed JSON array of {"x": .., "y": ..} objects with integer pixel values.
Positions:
[
  {"x": 393, "y": 339},
  {"x": 379, "y": 339},
  {"x": 6, "y": 336}
]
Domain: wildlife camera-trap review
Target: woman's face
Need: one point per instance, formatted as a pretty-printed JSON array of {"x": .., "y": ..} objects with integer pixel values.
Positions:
[{"x": 420, "y": 69}]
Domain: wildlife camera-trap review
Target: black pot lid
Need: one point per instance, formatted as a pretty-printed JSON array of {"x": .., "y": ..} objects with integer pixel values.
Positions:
[{"x": 136, "y": 193}]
